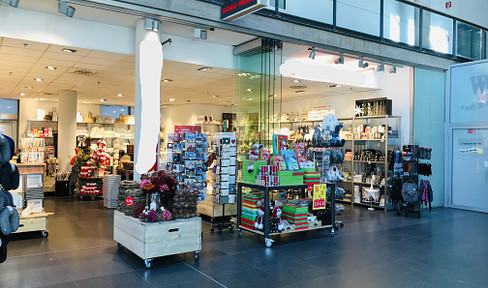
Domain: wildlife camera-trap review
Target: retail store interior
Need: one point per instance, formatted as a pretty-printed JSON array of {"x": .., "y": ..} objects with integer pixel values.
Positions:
[{"x": 199, "y": 95}]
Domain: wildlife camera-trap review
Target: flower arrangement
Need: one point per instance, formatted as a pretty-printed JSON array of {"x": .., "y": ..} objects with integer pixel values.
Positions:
[
  {"x": 151, "y": 215},
  {"x": 161, "y": 182},
  {"x": 185, "y": 202}
]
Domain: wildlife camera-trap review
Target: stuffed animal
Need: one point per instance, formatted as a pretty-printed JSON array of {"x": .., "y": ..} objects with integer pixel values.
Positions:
[
  {"x": 253, "y": 156},
  {"x": 335, "y": 141},
  {"x": 258, "y": 225},
  {"x": 277, "y": 210}
]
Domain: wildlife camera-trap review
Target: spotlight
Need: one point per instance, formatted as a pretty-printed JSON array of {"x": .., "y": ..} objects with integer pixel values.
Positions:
[
  {"x": 363, "y": 64},
  {"x": 339, "y": 60},
  {"x": 393, "y": 70},
  {"x": 152, "y": 25},
  {"x": 380, "y": 68},
  {"x": 312, "y": 54},
  {"x": 13, "y": 3},
  {"x": 65, "y": 9}
]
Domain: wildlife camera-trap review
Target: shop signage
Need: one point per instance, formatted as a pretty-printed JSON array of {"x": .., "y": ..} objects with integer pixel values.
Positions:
[
  {"x": 319, "y": 196},
  {"x": 187, "y": 129},
  {"x": 310, "y": 187},
  {"x": 240, "y": 8},
  {"x": 448, "y": 4},
  {"x": 129, "y": 201}
]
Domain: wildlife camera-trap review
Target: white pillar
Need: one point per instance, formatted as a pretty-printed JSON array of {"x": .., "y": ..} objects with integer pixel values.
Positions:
[
  {"x": 66, "y": 127},
  {"x": 149, "y": 63}
]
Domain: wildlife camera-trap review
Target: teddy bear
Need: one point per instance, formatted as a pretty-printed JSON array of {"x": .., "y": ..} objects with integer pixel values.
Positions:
[
  {"x": 253, "y": 156},
  {"x": 258, "y": 224}
]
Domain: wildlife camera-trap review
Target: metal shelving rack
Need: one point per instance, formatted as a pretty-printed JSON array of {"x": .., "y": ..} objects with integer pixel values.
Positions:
[{"x": 378, "y": 144}]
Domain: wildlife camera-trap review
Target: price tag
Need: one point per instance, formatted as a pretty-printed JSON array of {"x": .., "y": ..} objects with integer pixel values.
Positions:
[
  {"x": 129, "y": 201},
  {"x": 319, "y": 196}
]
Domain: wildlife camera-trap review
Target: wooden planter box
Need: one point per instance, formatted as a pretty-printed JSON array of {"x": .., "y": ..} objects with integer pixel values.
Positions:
[{"x": 150, "y": 240}]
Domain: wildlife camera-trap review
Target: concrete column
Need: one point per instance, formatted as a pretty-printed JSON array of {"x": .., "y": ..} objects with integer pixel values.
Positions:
[
  {"x": 149, "y": 63},
  {"x": 66, "y": 127}
]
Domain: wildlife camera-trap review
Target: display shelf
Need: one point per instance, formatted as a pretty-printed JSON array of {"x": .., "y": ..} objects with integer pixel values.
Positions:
[
  {"x": 367, "y": 204},
  {"x": 370, "y": 162},
  {"x": 266, "y": 189},
  {"x": 382, "y": 140}
]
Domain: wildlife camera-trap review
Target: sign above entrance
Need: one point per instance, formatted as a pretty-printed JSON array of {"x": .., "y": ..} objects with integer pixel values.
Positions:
[{"x": 240, "y": 8}]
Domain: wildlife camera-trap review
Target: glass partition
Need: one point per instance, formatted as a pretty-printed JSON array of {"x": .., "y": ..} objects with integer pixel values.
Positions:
[
  {"x": 319, "y": 10},
  {"x": 361, "y": 16},
  {"x": 437, "y": 32},
  {"x": 257, "y": 92},
  {"x": 469, "y": 43},
  {"x": 401, "y": 22}
]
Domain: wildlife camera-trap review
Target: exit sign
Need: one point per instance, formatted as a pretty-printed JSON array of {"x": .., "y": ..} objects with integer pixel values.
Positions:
[{"x": 448, "y": 4}]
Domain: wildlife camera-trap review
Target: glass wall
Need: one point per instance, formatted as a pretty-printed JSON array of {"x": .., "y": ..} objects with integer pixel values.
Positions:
[
  {"x": 469, "y": 43},
  {"x": 9, "y": 106},
  {"x": 258, "y": 92},
  {"x": 361, "y": 16},
  {"x": 114, "y": 111},
  {"x": 437, "y": 32},
  {"x": 401, "y": 22},
  {"x": 321, "y": 10}
]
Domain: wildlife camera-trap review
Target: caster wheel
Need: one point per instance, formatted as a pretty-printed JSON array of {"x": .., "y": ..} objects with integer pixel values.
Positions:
[
  {"x": 268, "y": 242},
  {"x": 197, "y": 255},
  {"x": 332, "y": 233},
  {"x": 342, "y": 224},
  {"x": 212, "y": 230},
  {"x": 231, "y": 229},
  {"x": 148, "y": 262},
  {"x": 44, "y": 234},
  {"x": 120, "y": 245},
  {"x": 239, "y": 233}
]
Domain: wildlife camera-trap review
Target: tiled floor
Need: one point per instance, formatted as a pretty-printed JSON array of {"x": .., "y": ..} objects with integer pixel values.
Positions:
[{"x": 447, "y": 248}]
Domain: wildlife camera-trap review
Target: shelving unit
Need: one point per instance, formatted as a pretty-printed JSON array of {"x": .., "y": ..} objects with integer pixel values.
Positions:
[
  {"x": 107, "y": 131},
  {"x": 265, "y": 190},
  {"x": 383, "y": 143}
]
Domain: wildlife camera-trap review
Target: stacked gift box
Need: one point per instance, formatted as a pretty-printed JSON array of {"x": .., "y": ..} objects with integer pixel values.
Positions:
[
  {"x": 296, "y": 215},
  {"x": 291, "y": 177},
  {"x": 249, "y": 210},
  {"x": 250, "y": 177},
  {"x": 310, "y": 176}
]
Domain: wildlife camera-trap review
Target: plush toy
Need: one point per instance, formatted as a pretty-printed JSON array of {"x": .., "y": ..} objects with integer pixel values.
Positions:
[
  {"x": 277, "y": 210},
  {"x": 253, "y": 156},
  {"x": 335, "y": 141},
  {"x": 258, "y": 225}
]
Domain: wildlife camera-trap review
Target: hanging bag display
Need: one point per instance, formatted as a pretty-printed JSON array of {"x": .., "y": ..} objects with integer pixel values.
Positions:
[{"x": 410, "y": 192}]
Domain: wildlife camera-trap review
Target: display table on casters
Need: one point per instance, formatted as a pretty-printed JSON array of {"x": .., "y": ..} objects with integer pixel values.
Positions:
[
  {"x": 267, "y": 240},
  {"x": 150, "y": 240}
]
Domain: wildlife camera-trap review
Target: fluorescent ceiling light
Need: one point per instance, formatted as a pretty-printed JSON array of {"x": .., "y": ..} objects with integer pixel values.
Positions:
[
  {"x": 215, "y": 96},
  {"x": 120, "y": 95},
  {"x": 39, "y": 79},
  {"x": 22, "y": 94},
  {"x": 172, "y": 99},
  {"x": 296, "y": 81},
  {"x": 28, "y": 87},
  {"x": 68, "y": 50},
  {"x": 42, "y": 99},
  {"x": 52, "y": 68},
  {"x": 36, "y": 99},
  {"x": 103, "y": 100},
  {"x": 167, "y": 80}
]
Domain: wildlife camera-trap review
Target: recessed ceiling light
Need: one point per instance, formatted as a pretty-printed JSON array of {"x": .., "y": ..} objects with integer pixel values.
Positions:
[
  {"x": 103, "y": 100},
  {"x": 296, "y": 81},
  {"x": 249, "y": 90},
  {"x": 39, "y": 79},
  {"x": 188, "y": 101},
  {"x": 167, "y": 80},
  {"x": 172, "y": 99},
  {"x": 335, "y": 85},
  {"x": 300, "y": 91},
  {"x": 204, "y": 69},
  {"x": 36, "y": 99},
  {"x": 215, "y": 96},
  {"x": 68, "y": 50},
  {"x": 42, "y": 99},
  {"x": 28, "y": 87},
  {"x": 22, "y": 94},
  {"x": 120, "y": 95},
  {"x": 51, "y": 68}
]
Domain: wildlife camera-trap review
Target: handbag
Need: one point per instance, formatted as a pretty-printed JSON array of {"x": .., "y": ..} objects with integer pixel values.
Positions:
[
  {"x": 333, "y": 175},
  {"x": 410, "y": 192}
]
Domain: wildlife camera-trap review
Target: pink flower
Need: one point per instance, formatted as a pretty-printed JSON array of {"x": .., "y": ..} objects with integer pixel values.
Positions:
[
  {"x": 164, "y": 188},
  {"x": 144, "y": 182}
]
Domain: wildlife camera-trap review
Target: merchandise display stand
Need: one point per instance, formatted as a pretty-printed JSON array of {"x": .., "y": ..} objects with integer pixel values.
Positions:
[
  {"x": 266, "y": 189},
  {"x": 151, "y": 240},
  {"x": 95, "y": 187},
  {"x": 33, "y": 223}
]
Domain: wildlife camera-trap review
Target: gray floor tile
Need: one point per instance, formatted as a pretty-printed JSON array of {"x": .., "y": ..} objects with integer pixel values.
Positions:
[{"x": 124, "y": 280}]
